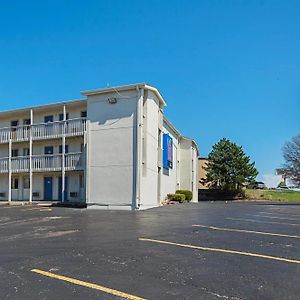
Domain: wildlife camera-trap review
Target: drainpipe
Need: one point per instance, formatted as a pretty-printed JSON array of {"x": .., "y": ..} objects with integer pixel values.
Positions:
[{"x": 139, "y": 125}]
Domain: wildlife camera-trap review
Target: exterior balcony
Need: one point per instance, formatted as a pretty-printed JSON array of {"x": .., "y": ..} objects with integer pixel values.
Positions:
[
  {"x": 43, "y": 131},
  {"x": 43, "y": 163}
]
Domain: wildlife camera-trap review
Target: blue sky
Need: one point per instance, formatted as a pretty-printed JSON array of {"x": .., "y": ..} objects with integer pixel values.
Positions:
[{"x": 226, "y": 68}]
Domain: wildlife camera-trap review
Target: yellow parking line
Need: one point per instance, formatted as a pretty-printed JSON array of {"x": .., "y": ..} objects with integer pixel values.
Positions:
[
  {"x": 33, "y": 208},
  {"x": 259, "y": 221},
  {"x": 247, "y": 231},
  {"x": 88, "y": 285},
  {"x": 294, "y": 261},
  {"x": 272, "y": 217}
]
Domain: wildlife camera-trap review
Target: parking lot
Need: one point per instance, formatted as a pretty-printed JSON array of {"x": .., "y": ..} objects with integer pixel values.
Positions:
[{"x": 194, "y": 251}]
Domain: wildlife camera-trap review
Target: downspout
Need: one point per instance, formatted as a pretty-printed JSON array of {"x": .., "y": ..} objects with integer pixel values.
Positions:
[{"x": 139, "y": 124}]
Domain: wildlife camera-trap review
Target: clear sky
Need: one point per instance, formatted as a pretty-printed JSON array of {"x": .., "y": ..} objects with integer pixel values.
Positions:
[{"x": 226, "y": 68}]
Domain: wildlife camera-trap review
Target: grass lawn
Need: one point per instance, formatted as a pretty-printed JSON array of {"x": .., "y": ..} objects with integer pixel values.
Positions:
[{"x": 276, "y": 195}]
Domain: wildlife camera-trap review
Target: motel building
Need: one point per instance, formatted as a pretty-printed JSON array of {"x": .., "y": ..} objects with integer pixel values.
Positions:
[{"x": 113, "y": 149}]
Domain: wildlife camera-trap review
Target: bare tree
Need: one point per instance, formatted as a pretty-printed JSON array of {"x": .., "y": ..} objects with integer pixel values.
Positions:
[{"x": 291, "y": 155}]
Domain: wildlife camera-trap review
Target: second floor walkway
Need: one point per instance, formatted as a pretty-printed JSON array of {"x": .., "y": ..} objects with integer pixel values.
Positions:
[{"x": 51, "y": 130}]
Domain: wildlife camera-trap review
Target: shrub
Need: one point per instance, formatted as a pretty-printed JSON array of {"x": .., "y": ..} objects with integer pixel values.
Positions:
[
  {"x": 176, "y": 197},
  {"x": 188, "y": 194}
]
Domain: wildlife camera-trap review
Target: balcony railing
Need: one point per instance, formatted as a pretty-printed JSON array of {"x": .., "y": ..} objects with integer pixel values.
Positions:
[
  {"x": 73, "y": 127},
  {"x": 20, "y": 164},
  {"x": 4, "y": 165},
  {"x": 43, "y": 163}
]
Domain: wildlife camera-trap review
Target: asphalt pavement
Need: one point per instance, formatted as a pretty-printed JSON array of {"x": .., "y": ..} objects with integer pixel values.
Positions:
[{"x": 208, "y": 250}]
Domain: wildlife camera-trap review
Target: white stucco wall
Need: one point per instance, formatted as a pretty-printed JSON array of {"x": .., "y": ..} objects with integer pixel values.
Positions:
[
  {"x": 188, "y": 167},
  {"x": 149, "y": 152},
  {"x": 111, "y": 149}
]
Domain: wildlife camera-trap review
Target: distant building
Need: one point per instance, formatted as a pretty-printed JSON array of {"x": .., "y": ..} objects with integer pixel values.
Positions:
[{"x": 202, "y": 162}]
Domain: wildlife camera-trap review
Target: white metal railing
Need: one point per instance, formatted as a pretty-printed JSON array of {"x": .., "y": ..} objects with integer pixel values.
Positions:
[
  {"x": 47, "y": 162},
  {"x": 5, "y": 134},
  {"x": 73, "y": 127},
  {"x": 43, "y": 163},
  {"x": 20, "y": 164},
  {"x": 74, "y": 161},
  {"x": 4, "y": 163},
  {"x": 48, "y": 130}
]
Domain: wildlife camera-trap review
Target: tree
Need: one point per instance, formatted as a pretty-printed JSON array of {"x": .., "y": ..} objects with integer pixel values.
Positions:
[
  {"x": 291, "y": 155},
  {"x": 228, "y": 167}
]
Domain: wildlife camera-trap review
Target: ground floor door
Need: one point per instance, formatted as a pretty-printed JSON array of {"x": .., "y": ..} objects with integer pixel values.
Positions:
[
  {"x": 48, "y": 188},
  {"x": 60, "y": 188}
]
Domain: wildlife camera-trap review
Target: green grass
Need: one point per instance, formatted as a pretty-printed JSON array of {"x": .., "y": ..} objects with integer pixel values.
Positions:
[{"x": 278, "y": 195}]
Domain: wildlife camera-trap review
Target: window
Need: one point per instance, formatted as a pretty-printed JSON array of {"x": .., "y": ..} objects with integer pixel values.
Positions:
[
  {"x": 26, "y": 182},
  {"x": 14, "y": 124},
  {"x": 15, "y": 152},
  {"x": 61, "y": 117},
  {"x": 26, "y": 121},
  {"x": 26, "y": 152},
  {"x": 49, "y": 150},
  {"x": 61, "y": 148},
  {"x": 15, "y": 183},
  {"x": 48, "y": 119},
  {"x": 83, "y": 114}
]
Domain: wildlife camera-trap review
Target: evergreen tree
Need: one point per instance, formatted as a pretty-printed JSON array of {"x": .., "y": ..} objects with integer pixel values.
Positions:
[{"x": 228, "y": 167}]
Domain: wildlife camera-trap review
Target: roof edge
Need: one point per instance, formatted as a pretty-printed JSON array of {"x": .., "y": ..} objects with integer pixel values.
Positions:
[
  {"x": 125, "y": 88},
  {"x": 52, "y": 104}
]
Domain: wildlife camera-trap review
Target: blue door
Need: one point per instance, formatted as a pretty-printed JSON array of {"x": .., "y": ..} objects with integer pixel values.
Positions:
[
  {"x": 60, "y": 189},
  {"x": 48, "y": 188}
]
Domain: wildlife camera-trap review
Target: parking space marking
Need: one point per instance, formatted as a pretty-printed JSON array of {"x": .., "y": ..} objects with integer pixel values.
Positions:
[
  {"x": 31, "y": 208},
  {"x": 280, "y": 214},
  {"x": 283, "y": 209},
  {"x": 12, "y": 206},
  {"x": 88, "y": 285},
  {"x": 293, "y": 261},
  {"x": 272, "y": 217},
  {"x": 259, "y": 221},
  {"x": 247, "y": 231}
]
